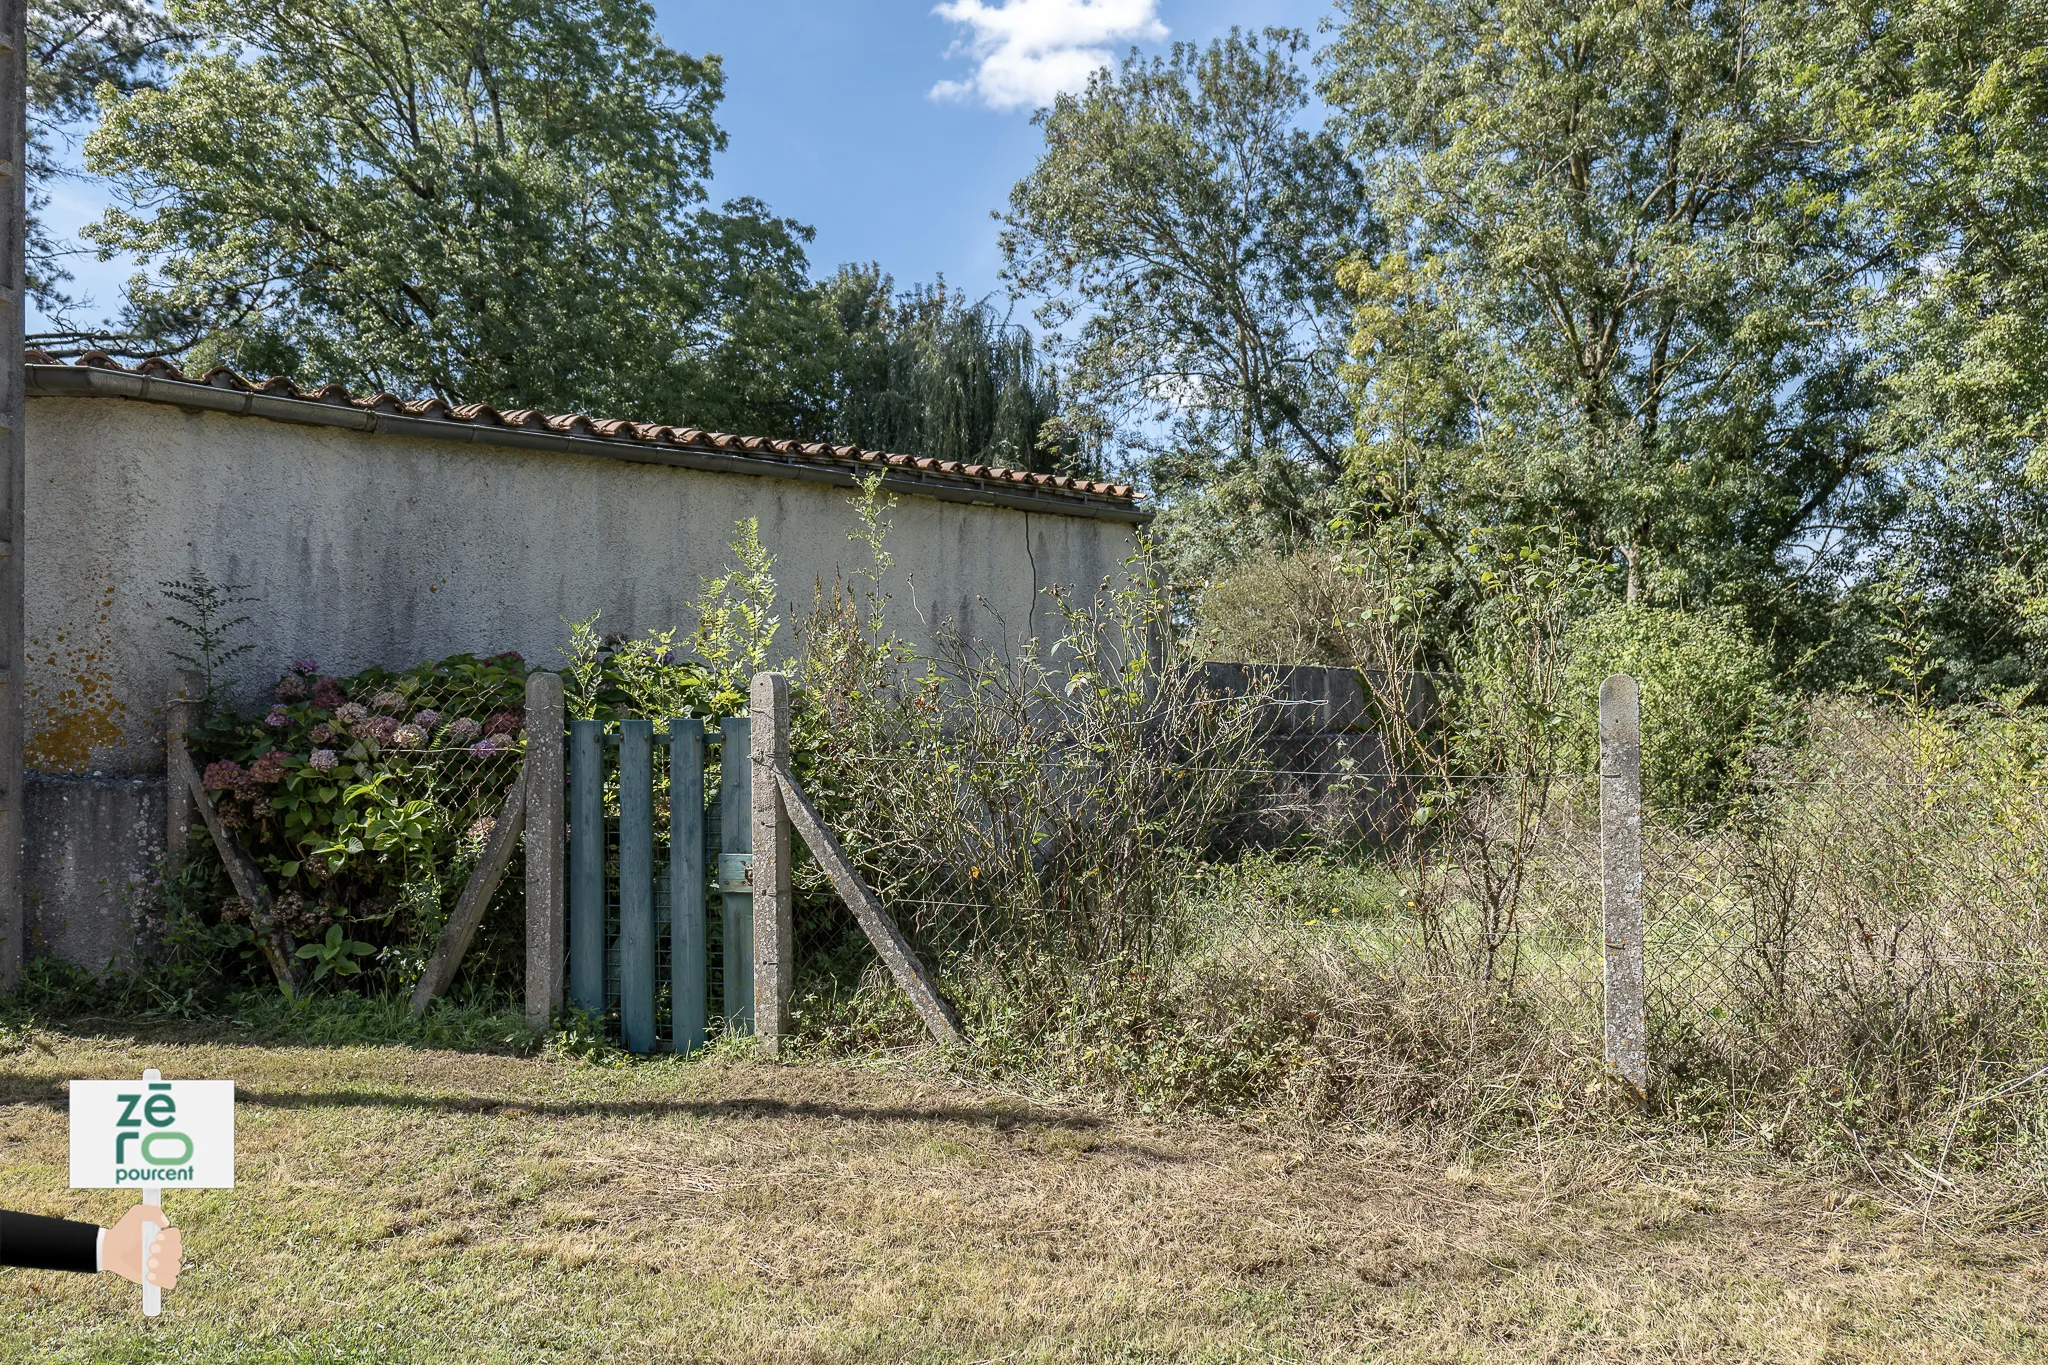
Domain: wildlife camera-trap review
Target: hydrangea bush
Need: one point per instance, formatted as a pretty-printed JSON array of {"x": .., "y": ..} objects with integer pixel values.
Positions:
[{"x": 366, "y": 800}]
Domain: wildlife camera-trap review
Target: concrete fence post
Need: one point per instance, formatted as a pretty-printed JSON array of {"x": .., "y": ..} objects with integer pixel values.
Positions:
[
  {"x": 181, "y": 713},
  {"x": 1621, "y": 880},
  {"x": 774, "y": 930},
  {"x": 547, "y": 893}
]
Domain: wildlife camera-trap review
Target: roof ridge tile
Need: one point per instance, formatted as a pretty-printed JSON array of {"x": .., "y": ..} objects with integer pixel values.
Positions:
[{"x": 435, "y": 407}]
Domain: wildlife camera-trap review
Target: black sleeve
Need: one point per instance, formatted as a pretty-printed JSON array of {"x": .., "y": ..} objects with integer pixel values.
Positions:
[{"x": 36, "y": 1243}]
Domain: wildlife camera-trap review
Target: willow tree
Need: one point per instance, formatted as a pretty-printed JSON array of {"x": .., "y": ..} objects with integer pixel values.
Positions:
[{"x": 929, "y": 372}]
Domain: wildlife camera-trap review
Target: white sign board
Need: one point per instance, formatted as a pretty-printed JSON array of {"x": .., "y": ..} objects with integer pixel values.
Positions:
[{"x": 177, "y": 1135}]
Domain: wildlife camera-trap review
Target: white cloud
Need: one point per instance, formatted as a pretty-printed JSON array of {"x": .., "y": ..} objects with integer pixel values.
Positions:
[{"x": 1027, "y": 51}]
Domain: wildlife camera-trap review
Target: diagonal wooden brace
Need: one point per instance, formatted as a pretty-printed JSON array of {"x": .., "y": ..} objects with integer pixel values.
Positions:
[
  {"x": 248, "y": 882},
  {"x": 939, "y": 1016},
  {"x": 475, "y": 898}
]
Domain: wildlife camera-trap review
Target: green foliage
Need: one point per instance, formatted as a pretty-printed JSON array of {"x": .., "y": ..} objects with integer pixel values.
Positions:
[
  {"x": 927, "y": 373},
  {"x": 207, "y": 625},
  {"x": 1707, "y": 697},
  {"x": 335, "y": 954},
  {"x": 1621, "y": 295},
  {"x": 654, "y": 677},
  {"x": 76, "y": 50},
  {"x": 1303, "y": 608},
  {"x": 736, "y": 624},
  {"x": 492, "y": 203},
  {"x": 365, "y": 800},
  {"x": 1184, "y": 223},
  {"x": 1938, "y": 109}
]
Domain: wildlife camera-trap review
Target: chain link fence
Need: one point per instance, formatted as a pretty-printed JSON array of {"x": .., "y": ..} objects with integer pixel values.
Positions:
[
  {"x": 366, "y": 802},
  {"x": 1870, "y": 887}
]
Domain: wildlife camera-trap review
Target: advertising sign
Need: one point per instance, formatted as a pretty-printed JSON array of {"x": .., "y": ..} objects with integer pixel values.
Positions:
[{"x": 174, "y": 1134}]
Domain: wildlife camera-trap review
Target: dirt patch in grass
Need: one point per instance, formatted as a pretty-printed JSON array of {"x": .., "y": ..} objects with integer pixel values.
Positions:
[{"x": 406, "y": 1205}]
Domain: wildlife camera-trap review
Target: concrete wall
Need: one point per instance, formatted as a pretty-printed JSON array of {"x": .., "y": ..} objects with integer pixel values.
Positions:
[
  {"x": 383, "y": 549},
  {"x": 1326, "y": 759}
]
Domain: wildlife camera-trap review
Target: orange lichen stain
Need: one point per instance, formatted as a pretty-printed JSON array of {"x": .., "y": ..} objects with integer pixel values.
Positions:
[{"x": 73, "y": 707}]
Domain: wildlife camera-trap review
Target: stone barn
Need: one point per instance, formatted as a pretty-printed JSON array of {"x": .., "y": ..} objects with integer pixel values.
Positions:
[{"x": 374, "y": 531}]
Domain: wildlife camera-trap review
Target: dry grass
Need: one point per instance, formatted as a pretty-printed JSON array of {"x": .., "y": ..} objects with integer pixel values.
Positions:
[{"x": 408, "y": 1205}]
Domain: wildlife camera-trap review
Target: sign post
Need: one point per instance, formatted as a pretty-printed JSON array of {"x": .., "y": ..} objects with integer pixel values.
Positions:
[{"x": 126, "y": 1135}]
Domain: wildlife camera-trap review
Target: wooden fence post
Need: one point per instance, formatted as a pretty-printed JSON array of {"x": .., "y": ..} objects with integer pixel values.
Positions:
[
  {"x": 181, "y": 713},
  {"x": 636, "y": 885},
  {"x": 774, "y": 930},
  {"x": 546, "y": 879},
  {"x": 14, "y": 100},
  {"x": 1621, "y": 881}
]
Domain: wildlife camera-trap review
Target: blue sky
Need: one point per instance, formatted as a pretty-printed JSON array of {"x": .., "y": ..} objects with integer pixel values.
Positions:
[{"x": 893, "y": 129}]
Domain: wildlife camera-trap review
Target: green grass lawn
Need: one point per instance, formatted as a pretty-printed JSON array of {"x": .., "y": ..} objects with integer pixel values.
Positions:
[{"x": 398, "y": 1204}]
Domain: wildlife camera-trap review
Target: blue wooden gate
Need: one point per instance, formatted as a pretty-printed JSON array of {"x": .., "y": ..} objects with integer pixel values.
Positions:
[{"x": 639, "y": 927}]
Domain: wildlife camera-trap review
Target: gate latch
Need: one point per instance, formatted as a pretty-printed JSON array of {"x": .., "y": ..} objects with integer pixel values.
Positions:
[{"x": 736, "y": 872}]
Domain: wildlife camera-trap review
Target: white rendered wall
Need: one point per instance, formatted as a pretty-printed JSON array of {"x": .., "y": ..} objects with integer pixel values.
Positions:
[{"x": 376, "y": 549}]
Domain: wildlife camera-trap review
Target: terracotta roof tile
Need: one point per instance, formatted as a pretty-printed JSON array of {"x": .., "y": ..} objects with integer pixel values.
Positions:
[{"x": 604, "y": 429}]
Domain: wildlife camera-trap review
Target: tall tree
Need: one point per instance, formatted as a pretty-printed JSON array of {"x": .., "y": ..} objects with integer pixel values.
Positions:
[
  {"x": 1181, "y": 229},
  {"x": 1939, "y": 110},
  {"x": 1622, "y": 293},
  {"x": 491, "y": 200},
  {"x": 929, "y": 373},
  {"x": 76, "y": 48}
]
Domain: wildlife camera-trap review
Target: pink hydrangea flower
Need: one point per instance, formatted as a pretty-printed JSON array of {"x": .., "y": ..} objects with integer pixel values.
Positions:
[
  {"x": 463, "y": 730},
  {"x": 306, "y": 666},
  {"x": 380, "y": 728},
  {"x": 409, "y": 737},
  {"x": 427, "y": 719},
  {"x": 351, "y": 713},
  {"x": 324, "y": 759},
  {"x": 321, "y": 733},
  {"x": 507, "y": 722},
  {"x": 277, "y": 719},
  {"x": 291, "y": 687},
  {"x": 389, "y": 701},
  {"x": 269, "y": 768},
  {"x": 225, "y": 775}
]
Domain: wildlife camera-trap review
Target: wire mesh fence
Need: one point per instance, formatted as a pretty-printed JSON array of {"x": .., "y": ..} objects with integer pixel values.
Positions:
[
  {"x": 365, "y": 802},
  {"x": 1879, "y": 869}
]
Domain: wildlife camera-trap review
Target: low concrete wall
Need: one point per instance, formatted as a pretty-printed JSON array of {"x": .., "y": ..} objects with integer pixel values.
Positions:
[
  {"x": 1328, "y": 766},
  {"x": 392, "y": 546},
  {"x": 89, "y": 843}
]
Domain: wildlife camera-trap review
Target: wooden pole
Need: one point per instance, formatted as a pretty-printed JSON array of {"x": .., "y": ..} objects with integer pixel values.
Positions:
[
  {"x": 475, "y": 899},
  {"x": 181, "y": 713},
  {"x": 1621, "y": 881},
  {"x": 586, "y": 867},
  {"x": 277, "y": 945},
  {"x": 774, "y": 929},
  {"x": 688, "y": 954},
  {"x": 636, "y": 885},
  {"x": 546, "y": 876},
  {"x": 940, "y": 1018},
  {"x": 735, "y": 870},
  {"x": 13, "y": 414}
]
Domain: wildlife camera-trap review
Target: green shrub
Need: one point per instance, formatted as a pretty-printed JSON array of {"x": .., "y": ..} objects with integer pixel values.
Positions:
[
  {"x": 365, "y": 800},
  {"x": 1707, "y": 696}
]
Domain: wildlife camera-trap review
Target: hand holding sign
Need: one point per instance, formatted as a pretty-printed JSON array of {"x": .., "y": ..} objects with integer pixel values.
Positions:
[
  {"x": 146, "y": 1136},
  {"x": 123, "y": 1254}
]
